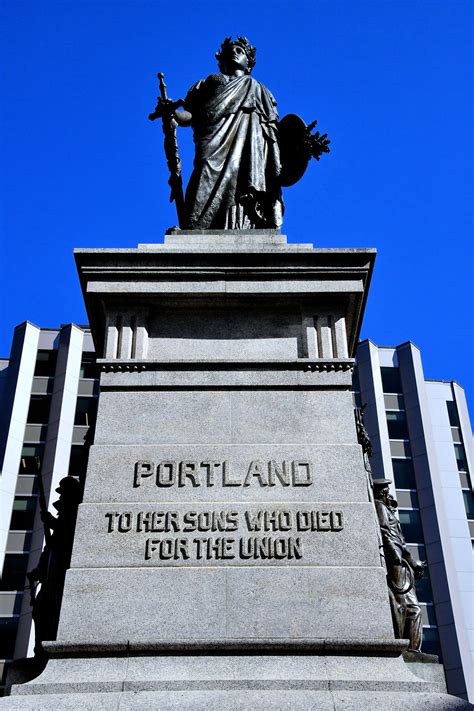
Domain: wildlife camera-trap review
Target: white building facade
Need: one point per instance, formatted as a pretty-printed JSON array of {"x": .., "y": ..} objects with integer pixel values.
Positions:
[
  {"x": 48, "y": 396},
  {"x": 422, "y": 440}
]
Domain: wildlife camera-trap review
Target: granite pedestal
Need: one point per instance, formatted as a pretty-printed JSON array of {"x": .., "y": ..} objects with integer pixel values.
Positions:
[{"x": 227, "y": 550}]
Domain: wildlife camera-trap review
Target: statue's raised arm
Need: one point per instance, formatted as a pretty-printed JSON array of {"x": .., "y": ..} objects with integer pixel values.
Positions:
[{"x": 243, "y": 155}]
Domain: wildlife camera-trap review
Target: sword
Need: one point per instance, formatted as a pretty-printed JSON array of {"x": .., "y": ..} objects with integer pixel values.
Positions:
[{"x": 173, "y": 160}]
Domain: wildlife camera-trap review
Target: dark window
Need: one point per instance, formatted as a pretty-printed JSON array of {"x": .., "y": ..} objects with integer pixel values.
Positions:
[
  {"x": 46, "y": 363},
  {"x": 391, "y": 382},
  {"x": 403, "y": 474},
  {"x": 23, "y": 514},
  {"x": 431, "y": 641},
  {"x": 469, "y": 504},
  {"x": 453, "y": 413},
  {"x": 423, "y": 588},
  {"x": 38, "y": 412},
  {"x": 89, "y": 368},
  {"x": 397, "y": 425},
  {"x": 8, "y": 627},
  {"x": 14, "y": 571},
  {"x": 86, "y": 409},
  {"x": 411, "y": 526},
  {"x": 460, "y": 457},
  {"x": 31, "y": 458},
  {"x": 430, "y": 615},
  {"x": 78, "y": 461}
]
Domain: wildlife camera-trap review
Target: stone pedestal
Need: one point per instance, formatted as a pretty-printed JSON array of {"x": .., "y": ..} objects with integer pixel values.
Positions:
[{"x": 227, "y": 552}]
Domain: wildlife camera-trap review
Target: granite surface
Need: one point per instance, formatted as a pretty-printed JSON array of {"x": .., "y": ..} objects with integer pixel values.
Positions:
[
  {"x": 230, "y": 682},
  {"x": 225, "y": 417},
  {"x": 233, "y": 602},
  {"x": 237, "y": 349}
]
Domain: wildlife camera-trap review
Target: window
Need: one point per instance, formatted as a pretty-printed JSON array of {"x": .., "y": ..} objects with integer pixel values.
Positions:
[
  {"x": 397, "y": 425},
  {"x": 431, "y": 641},
  {"x": 8, "y": 627},
  {"x": 453, "y": 413},
  {"x": 394, "y": 401},
  {"x": 26, "y": 485},
  {"x": 423, "y": 588},
  {"x": 14, "y": 571},
  {"x": 31, "y": 458},
  {"x": 411, "y": 525},
  {"x": 469, "y": 504},
  {"x": 429, "y": 615},
  {"x": 456, "y": 435},
  {"x": 407, "y": 499},
  {"x": 86, "y": 408},
  {"x": 89, "y": 368},
  {"x": 23, "y": 513},
  {"x": 46, "y": 363},
  {"x": 464, "y": 480},
  {"x": 460, "y": 457},
  {"x": 391, "y": 382},
  {"x": 403, "y": 474},
  {"x": 38, "y": 412},
  {"x": 78, "y": 461}
]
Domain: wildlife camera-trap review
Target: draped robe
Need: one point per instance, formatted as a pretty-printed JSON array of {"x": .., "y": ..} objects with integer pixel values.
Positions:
[{"x": 235, "y": 181}]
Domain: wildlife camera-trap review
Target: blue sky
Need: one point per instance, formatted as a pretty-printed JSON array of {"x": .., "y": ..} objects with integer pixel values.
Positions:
[{"x": 389, "y": 80}]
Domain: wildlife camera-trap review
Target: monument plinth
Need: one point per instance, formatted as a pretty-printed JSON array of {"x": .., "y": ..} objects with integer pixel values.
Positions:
[{"x": 227, "y": 551}]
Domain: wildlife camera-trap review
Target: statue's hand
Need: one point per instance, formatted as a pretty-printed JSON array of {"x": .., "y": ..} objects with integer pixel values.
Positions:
[
  {"x": 419, "y": 568},
  {"x": 317, "y": 143},
  {"x": 165, "y": 107}
]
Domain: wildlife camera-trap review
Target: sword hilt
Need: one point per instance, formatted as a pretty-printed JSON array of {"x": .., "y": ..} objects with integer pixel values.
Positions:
[{"x": 161, "y": 79}]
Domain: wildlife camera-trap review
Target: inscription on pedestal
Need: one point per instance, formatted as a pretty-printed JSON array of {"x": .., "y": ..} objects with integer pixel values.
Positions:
[
  {"x": 246, "y": 506},
  {"x": 211, "y": 472},
  {"x": 242, "y": 545}
]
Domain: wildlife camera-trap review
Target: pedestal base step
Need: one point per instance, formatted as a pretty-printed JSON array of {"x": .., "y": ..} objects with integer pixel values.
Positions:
[
  {"x": 239, "y": 701},
  {"x": 230, "y": 682}
]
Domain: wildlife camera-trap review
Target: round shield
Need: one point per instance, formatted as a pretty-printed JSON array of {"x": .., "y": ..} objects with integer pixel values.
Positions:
[{"x": 294, "y": 150}]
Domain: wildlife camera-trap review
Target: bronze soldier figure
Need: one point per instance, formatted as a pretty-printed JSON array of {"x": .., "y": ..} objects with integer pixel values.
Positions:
[
  {"x": 54, "y": 561},
  {"x": 402, "y": 569}
]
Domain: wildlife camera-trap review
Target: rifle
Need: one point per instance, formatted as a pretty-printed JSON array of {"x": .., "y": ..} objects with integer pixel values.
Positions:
[
  {"x": 173, "y": 160},
  {"x": 42, "y": 502},
  {"x": 32, "y": 575}
]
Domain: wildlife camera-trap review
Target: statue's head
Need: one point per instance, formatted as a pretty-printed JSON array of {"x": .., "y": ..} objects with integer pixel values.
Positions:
[
  {"x": 69, "y": 490},
  {"x": 237, "y": 52},
  {"x": 382, "y": 490}
]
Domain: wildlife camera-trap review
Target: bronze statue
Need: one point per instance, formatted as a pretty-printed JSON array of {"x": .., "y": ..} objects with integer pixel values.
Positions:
[
  {"x": 402, "y": 569},
  {"x": 244, "y": 155},
  {"x": 54, "y": 561}
]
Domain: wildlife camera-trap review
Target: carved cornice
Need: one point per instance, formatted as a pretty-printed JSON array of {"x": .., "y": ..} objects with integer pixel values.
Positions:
[{"x": 303, "y": 365}]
